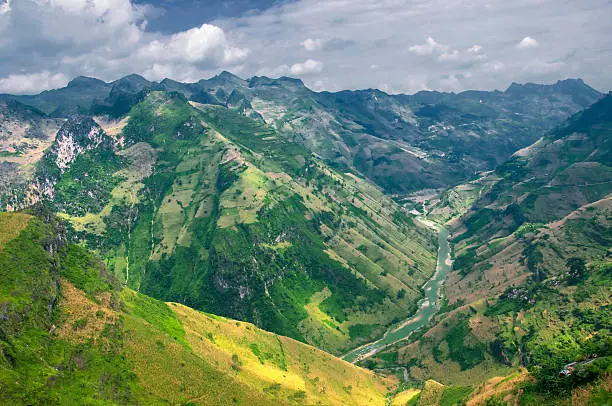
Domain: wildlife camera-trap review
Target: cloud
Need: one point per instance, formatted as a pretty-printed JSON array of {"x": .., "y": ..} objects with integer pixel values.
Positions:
[
  {"x": 106, "y": 39},
  {"x": 440, "y": 38},
  {"x": 428, "y": 48},
  {"x": 32, "y": 83},
  {"x": 307, "y": 67},
  {"x": 312, "y": 44},
  {"x": 207, "y": 42},
  {"x": 416, "y": 44},
  {"x": 495, "y": 66},
  {"x": 444, "y": 53},
  {"x": 539, "y": 67},
  {"x": 527, "y": 42},
  {"x": 5, "y": 7},
  {"x": 450, "y": 56}
]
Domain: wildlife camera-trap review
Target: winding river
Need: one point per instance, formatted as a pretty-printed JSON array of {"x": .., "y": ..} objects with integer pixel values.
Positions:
[{"x": 428, "y": 306}]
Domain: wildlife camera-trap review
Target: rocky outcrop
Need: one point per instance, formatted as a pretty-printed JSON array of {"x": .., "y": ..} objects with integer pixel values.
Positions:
[{"x": 75, "y": 137}]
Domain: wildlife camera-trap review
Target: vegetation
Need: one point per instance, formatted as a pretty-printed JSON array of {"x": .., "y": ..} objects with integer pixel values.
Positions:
[
  {"x": 225, "y": 208},
  {"x": 72, "y": 334},
  {"x": 217, "y": 211}
]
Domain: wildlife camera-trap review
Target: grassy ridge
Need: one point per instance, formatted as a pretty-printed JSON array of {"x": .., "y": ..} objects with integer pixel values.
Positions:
[{"x": 72, "y": 334}]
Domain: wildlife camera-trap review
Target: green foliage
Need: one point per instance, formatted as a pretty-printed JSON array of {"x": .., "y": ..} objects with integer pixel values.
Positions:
[
  {"x": 155, "y": 312},
  {"x": 162, "y": 118},
  {"x": 527, "y": 228},
  {"x": 577, "y": 269},
  {"x": 35, "y": 366},
  {"x": 578, "y": 341},
  {"x": 86, "y": 271},
  {"x": 361, "y": 330},
  {"x": 455, "y": 395},
  {"x": 467, "y": 355},
  {"x": 86, "y": 187}
]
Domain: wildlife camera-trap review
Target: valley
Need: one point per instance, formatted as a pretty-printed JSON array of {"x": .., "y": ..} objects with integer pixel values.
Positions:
[
  {"x": 427, "y": 307},
  {"x": 248, "y": 241}
]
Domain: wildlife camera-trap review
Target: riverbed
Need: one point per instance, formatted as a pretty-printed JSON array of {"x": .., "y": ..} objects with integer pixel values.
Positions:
[{"x": 428, "y": 306}]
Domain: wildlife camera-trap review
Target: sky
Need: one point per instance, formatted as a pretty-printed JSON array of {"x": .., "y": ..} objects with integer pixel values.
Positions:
[{"x": 398, "y": 46}]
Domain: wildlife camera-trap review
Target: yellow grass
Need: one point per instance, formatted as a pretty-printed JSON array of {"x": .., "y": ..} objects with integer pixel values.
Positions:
[
  {"x": 278, "y": 366},
  {"x": 76, "y": 306},
  {"x": 431, "y": 393},
  {"x": 498, "y": 386},
  {"x": 11, "y": 225},
  {"x": 402, "y": 398}
]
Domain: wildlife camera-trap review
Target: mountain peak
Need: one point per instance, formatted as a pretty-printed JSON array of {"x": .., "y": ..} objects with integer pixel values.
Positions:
[
  {"x": 226, "y": 76},
  {"x": 85, "y": 81},
  {"x": 133, "y": 80},
  {"x": 579, "y": 91},
  {"x": 281, "y": 81}
]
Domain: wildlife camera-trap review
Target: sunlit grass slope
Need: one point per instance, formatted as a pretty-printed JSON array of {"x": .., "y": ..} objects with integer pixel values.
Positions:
[
  {"x": 70, "y": 334},
  {"x": 278, "y": 366}
]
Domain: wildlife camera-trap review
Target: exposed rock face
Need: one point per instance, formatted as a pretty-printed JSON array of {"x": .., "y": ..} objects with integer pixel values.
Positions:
[
  {"x": 74, "y": 138},
  {"x": 77, "y": 136}
]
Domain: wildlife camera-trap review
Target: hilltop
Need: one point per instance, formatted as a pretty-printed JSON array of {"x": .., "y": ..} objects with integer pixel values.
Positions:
[{"x": 403, "y": 143}]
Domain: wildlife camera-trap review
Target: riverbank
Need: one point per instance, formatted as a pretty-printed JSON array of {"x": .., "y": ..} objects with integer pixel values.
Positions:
[{"x": 428, "y": 306}]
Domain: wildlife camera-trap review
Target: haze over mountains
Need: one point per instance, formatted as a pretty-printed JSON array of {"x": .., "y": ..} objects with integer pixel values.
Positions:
[{"x": 312, "y": 215}]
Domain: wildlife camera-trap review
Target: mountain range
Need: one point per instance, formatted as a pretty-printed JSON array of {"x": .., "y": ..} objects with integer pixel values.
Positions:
[{"x": 136, "y": 206}]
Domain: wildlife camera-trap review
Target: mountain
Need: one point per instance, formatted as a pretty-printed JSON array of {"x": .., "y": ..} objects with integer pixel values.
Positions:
[
  {"x": 71, "y": 334},
  {"x": 25, "y": 133},
  {"x": 201, "y": 205},
  {"x": 312, "y": 216},
  {"x": 403, "y": 143},
  {"x": 531, "y": 274}
]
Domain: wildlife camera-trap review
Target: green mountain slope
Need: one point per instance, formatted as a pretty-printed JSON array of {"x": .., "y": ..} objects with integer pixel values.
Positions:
[
  {"x": 403, "y": 143},
  {"x": 531, "y": 278},
  {"x": 204, "y": 206},
  {"x": 568, "y": 168},
  {"x": 71, "y": 334}
]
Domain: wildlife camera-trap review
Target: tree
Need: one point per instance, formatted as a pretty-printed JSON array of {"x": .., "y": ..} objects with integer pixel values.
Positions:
[{"x": 577, "y": 269}]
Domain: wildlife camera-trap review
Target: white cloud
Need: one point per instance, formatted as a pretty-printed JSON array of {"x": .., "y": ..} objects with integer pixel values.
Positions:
[
  {"x": 307, "y": 67},
  {"x": 527, "y": 42},
  {"x": 32, "y": 83},
  {"x": 495, "y": 66},
  {"x": 5, "y": 7},
  {"x": 312, "y": 44},
  {"x": 444, "y": 53},
  {"x": 451, "y": 83},
  {"x": 318, "y": 86},
  {"x": 450, "y": 56},
  {"x": 233, "y": 55},
  {"x": 106, "y": 39},
  {"x": 207, "y": 42},
  {"x": 540, "y": 67},
  {"x": 428, "y": 48}
]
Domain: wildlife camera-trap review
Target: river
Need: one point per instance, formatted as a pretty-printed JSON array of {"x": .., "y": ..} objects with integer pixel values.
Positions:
[{"x": 428, "y": 306}]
